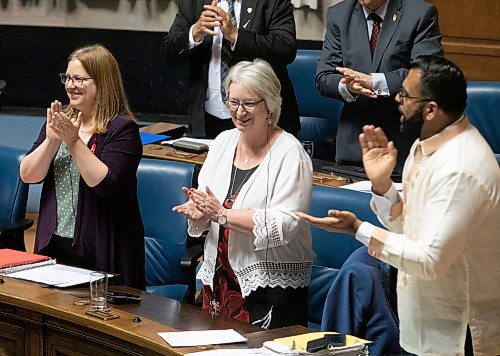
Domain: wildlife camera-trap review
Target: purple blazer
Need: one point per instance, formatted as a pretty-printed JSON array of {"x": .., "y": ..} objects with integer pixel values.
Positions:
[{"x": 109, "y": 233}]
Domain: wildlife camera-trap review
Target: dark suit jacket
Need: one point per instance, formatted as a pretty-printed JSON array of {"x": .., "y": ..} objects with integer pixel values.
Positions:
[
  {"x": 266, "y": 31},
  {"x": 410, "y": 29}
]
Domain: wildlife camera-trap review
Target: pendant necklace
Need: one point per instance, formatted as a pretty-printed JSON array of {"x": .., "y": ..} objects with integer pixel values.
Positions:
[
  {"x": 246, "y": 158},
  {"x": 230, "y": 199}
]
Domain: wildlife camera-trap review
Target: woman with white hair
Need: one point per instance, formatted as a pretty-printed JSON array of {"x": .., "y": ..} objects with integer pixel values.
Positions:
[{"x": 258, "y": 254}]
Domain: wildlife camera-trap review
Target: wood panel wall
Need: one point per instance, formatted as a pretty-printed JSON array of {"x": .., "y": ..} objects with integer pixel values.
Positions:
[{"x": 471, "y": 36}]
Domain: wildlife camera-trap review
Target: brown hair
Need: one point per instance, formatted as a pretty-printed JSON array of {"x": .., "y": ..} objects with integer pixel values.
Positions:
[{"x": 110, "y": 99}]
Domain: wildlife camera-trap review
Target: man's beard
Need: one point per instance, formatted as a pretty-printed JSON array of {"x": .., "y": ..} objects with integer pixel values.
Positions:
[{"x": 411, "y": 127}]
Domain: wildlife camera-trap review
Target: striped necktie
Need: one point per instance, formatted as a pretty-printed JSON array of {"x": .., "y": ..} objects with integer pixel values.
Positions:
[
  {"x": 226, "y": 53},
  {"x": 375, "y": 31}
]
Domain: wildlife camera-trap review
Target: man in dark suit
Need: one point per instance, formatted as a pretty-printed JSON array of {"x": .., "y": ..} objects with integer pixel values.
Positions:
[
  {"x": 367, "y": 82},
  {"x": 259, "y": 29}
]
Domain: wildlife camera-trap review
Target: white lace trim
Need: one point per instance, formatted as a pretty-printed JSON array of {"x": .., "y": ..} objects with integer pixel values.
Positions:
[
  {"x": 277, "y": 274},
  {"x": 206, "y": 273},
  {"x": 267, "y": 229},
  {"x": 195, "y": 229}
]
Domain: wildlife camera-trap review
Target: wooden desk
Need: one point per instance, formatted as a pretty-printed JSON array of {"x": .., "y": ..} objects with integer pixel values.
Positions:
[
  {"x": 45, "y": 321},
  {"x": 170, "y": 153}
]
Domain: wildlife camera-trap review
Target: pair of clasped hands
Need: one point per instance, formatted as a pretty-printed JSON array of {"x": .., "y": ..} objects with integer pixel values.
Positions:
[
  {"x": 211, "y": 17},
  {"x": 357, "y": 82},
  {"x": 60, "y": 127}
]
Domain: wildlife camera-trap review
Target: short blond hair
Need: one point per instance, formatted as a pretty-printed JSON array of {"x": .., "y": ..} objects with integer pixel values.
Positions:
[
  {"x": 110, "y": 99},
  {"x": 258, "y": 77}
]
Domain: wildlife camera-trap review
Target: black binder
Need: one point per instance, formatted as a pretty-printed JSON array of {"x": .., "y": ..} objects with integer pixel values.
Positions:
[{"x": 353, "y": 172}]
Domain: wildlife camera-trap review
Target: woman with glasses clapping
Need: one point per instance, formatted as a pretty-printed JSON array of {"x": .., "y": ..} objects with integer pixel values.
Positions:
[
  {"x": 258, "y": 255},
  {"x": 87, "y": 156}
]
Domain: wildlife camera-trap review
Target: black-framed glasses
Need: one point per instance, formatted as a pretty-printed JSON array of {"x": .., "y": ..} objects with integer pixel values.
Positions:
[
  {"x": 246, "y": 105},
  {"x": 403, "y": 95},
  {"x": 76, "y": 80}
]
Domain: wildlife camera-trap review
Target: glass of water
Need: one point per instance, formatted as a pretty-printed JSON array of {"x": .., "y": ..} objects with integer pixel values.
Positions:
[
  {"x": 98, "y": 290},
  {"x": 308, "y": 147}
]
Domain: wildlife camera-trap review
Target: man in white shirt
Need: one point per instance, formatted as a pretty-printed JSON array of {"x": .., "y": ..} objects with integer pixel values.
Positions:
[
  {"x": 444, "y": 226},
  {"x": 203, "y": 31}
]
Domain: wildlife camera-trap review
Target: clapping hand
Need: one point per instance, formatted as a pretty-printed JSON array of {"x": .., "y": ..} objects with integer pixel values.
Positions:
[
  {"x": 65, "y": 128},
  {"x": 379, "y": 157},
  {"x": 213, "y": 16},
  {"x": 206, "y": 22},
  {"x": 55, "y": 107},
  {"x": 200, "y": 206},
  {"x": 336, "y": 221},
  {"x": 228, "y": 29}
]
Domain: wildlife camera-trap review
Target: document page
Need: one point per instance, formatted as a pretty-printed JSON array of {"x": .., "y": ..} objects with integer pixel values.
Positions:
[
  {"x": 56, "y": 275},
  {"x": 199, "y": 338}
]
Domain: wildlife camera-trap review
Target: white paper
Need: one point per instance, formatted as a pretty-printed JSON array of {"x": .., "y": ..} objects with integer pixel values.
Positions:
[
  {"x": 235, "y": 352},
  {"x": 57, "y": 275},
  {"x": 200, "y": 338},
  {"x": 206, "y": 141},
  {"x": 365, "y": 186}
]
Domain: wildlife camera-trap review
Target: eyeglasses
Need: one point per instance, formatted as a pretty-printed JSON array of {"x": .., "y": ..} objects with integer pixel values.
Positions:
[
  {"x": 76, "y": 80},
  {"x": 403, "y": 95},
  {"x": 246, "y": 105}
]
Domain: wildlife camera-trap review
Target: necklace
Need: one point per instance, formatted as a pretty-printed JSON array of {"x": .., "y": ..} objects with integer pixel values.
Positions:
[
  {"x": 247, "y": 159},
  {"x": 230, "y": 199}
]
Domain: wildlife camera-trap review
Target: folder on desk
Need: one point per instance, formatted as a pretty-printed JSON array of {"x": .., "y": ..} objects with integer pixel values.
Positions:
[
  {"x": 165, "y": 128},
  {"x": 148, "y": 138},
  {"x": 13, "y": 260},
  {"x": 353, "y": 345}
]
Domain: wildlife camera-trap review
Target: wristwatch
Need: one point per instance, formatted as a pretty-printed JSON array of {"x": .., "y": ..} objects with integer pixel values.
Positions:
[{"x": 222, "y": 218}]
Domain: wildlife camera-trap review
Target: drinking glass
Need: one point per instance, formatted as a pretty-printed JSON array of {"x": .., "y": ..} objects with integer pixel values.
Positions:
[
  {"x": 98, "y": 290},
  {"x": 308, "y": 147}
]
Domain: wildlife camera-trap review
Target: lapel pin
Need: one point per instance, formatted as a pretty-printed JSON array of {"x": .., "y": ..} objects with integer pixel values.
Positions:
[
  {"x": 249, "y": 10},
  {"x": 394, "y": 18},
  {"x": 246, "y": 24}
]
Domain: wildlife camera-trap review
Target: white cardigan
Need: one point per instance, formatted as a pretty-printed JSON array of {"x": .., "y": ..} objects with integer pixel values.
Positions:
[{"x": 281, "y": 254}]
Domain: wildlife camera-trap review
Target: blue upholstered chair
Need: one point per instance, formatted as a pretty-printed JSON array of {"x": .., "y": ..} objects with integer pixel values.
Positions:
[
  {"x": 319, "y": 116},
  {"x": 483, "y": 110},
  {"x": 332, "y": 249},
  {"x": 13, "y": 200},
  {"x": 170, "y": 264}
]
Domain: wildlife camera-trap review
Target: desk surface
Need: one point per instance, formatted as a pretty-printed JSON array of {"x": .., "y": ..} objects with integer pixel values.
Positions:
[
  {"x": 158, "y": 314},
  {"x": 170, "y": 153}
]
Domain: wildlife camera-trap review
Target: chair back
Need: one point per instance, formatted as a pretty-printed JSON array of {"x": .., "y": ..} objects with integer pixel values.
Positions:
[
  {"x": 159, "y": 189},
  {"x": 13, "y": 194},
  {"x": 319, "y": 116},
  {"x": 483, "y": 110},
  {"x": 332, "y": 249}
]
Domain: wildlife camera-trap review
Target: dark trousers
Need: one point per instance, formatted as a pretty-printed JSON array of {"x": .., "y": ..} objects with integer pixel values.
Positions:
[
  {"x": 61, "y": 249},
  {"x": 358, "y": 304},
  {"x": 215, "y": 125}
]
